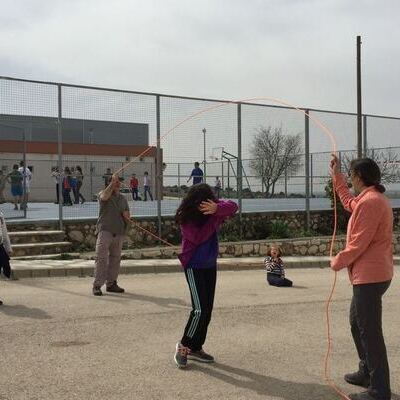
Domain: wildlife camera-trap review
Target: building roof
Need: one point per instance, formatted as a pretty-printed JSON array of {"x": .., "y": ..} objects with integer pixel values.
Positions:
[
  {"x": 84, "y": 131},
  {"x": 14, "y": 146}
]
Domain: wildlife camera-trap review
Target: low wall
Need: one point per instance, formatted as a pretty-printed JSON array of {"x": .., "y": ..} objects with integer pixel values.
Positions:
[
  {"x": 255, "y": 230},
  {"x": 291, "y": 247}
]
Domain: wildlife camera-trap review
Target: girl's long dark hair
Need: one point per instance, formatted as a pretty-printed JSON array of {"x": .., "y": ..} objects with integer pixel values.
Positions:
[
  {"x": 188, "y": 211},
  {"x": 369, "y": 172}
]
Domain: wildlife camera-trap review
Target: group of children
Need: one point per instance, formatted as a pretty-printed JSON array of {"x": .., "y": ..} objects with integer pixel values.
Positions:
[
  {"x": 19, "y": 179},
  {"x": 134, "y": 186}
]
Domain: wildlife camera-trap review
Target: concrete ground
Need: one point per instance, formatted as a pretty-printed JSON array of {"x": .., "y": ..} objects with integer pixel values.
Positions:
[{"x": 57, "y": 341}]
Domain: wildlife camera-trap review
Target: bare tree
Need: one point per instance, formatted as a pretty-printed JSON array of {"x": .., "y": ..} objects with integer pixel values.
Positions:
[
  {"x": 275, "y": 153},
  {"x": 387, "y": 159}
]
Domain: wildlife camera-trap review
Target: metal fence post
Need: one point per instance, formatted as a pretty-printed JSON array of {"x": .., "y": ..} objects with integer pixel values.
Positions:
[
  {"x": 307, "y": 166},
  {"x": 239, "y": 178},
  {"x": 365, "y": 139},
  {"x": 229, "y": 183},
  {"x": 25, "y": 175},
  {"x": 286, "y": 183},
  {"x": 60, "y": 163},
  {"x": 222, "y": 175},
  {"x": 179, "y": 181},
  {"x": 262, "y": 176},
  {"x": 311, "y": 176},
  {"x": 204, "y": 155},
  {"x": 158, "y": 168}
]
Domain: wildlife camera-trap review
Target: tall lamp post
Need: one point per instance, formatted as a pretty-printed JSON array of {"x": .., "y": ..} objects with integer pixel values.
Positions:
[
  {"x": 91, "y": 164},
  {"x": 204, "y": 155}
]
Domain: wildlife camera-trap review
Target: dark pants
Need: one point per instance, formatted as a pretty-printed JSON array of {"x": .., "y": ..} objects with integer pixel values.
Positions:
[
  {"x": 135, "y": 194},
  {"x": 75, "y": 193},
  {"x": 78, "y": 195},
  {"x": 4, "y": 262},
  {"x": 366, "y": 328},
  {"x": 276, "y": 280},
  {"x": 147, "y": 190},
  {"x": 202, "y": 289},
  {"x": 67, "y": 197},
  {"x": 57, "y": 193}
]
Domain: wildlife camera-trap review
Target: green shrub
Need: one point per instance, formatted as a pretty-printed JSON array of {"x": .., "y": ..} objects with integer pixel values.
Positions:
[
  {"x": 230, "y": 231},
  {"x": 279, "y": 230}
]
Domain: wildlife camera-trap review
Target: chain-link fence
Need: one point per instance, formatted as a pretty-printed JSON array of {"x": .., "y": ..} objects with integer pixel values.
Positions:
[{"x": 71, "y": 139}]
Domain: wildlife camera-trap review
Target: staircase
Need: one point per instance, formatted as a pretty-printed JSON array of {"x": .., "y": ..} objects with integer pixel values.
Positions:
[{"x": 34, "y": 243}]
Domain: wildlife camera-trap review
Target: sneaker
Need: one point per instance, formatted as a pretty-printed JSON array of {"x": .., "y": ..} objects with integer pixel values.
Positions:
[
  {"x": 200, "y": 356},
  {"x": 357, "y": 378},
  {"x": 1, "y": 303},
  {"x": 97, "y": 291},
  {"x": 114, "y": 288},
  {"x": 181, "y": 353}
]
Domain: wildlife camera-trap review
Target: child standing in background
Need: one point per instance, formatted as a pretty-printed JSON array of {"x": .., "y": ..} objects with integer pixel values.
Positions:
[
  {"x": 134, "y": 184},
  {"x": 200, "y": 215},
  {"x": 147, "y": 186},
  {"x": 274, "y": 266}
]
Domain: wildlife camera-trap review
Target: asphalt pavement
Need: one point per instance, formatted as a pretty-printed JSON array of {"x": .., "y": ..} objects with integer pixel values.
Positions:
[{"x": 58, "y": 342}]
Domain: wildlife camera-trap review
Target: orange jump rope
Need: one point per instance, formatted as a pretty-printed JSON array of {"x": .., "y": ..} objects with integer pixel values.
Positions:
[{"x": 328, "y": 303}]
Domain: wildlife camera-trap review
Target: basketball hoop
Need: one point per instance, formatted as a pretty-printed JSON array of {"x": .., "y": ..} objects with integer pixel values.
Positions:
[{"x": 216, "y": 153}]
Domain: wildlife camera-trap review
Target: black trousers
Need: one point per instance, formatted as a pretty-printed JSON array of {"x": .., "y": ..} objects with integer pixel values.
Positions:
[
  {"x": 366, "y": 328},
  {"x": 4, "y": 262},
  {"x": 135, "y": 194},
  {"x": 67, "y": 197},
  {"x": 78, "y": 195},
  {"x": 276, "y": 280},
  {"x": 202, "y": 290},
  {"x": 147, "y": 190}
]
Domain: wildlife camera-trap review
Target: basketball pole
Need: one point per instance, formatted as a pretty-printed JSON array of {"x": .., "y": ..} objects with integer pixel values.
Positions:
[{"x": 204, "y": 154}]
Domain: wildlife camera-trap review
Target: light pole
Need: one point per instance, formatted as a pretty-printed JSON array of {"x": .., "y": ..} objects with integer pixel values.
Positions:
[
  {"x": 91, "y": 165},
  {"x": 204, "y": 154}
]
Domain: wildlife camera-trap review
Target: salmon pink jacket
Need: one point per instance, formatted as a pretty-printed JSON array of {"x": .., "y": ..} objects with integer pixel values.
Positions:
[{"x": 368, "y": 254}]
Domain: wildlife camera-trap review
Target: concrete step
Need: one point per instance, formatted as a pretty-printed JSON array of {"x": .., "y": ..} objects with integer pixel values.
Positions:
[
  {"x": 21, "y": 237},
  {"x": 52, "y": 256},
  {"x": 30, "y": 249}
]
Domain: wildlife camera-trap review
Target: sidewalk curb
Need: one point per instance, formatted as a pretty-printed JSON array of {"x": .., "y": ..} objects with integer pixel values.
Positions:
[{"x": 82, "y": 268}]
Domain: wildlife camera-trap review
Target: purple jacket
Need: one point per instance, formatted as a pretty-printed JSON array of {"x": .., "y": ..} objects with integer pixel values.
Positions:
[{"x": 200, "y": 243}]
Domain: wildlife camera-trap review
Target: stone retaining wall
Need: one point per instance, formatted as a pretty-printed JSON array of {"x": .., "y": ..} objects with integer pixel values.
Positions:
[
  {"x": 291, "y": 247},
  {"x": 255, "y": 228}
]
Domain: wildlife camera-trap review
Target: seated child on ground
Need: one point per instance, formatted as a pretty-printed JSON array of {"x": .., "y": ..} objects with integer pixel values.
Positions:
[{"x": 274, "y": 266}]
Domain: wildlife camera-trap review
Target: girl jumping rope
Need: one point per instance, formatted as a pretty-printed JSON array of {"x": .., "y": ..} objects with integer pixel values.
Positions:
[{"x": 200, "y": 215}]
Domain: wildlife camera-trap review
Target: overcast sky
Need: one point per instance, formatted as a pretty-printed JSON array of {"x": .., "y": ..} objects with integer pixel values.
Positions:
[{"x": 302, "y": 51}]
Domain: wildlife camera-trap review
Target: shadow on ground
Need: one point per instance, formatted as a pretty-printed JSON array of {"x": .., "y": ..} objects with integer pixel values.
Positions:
[
  {"x": 19, "y": 310},
  {"x": 266, "y": 385}
]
